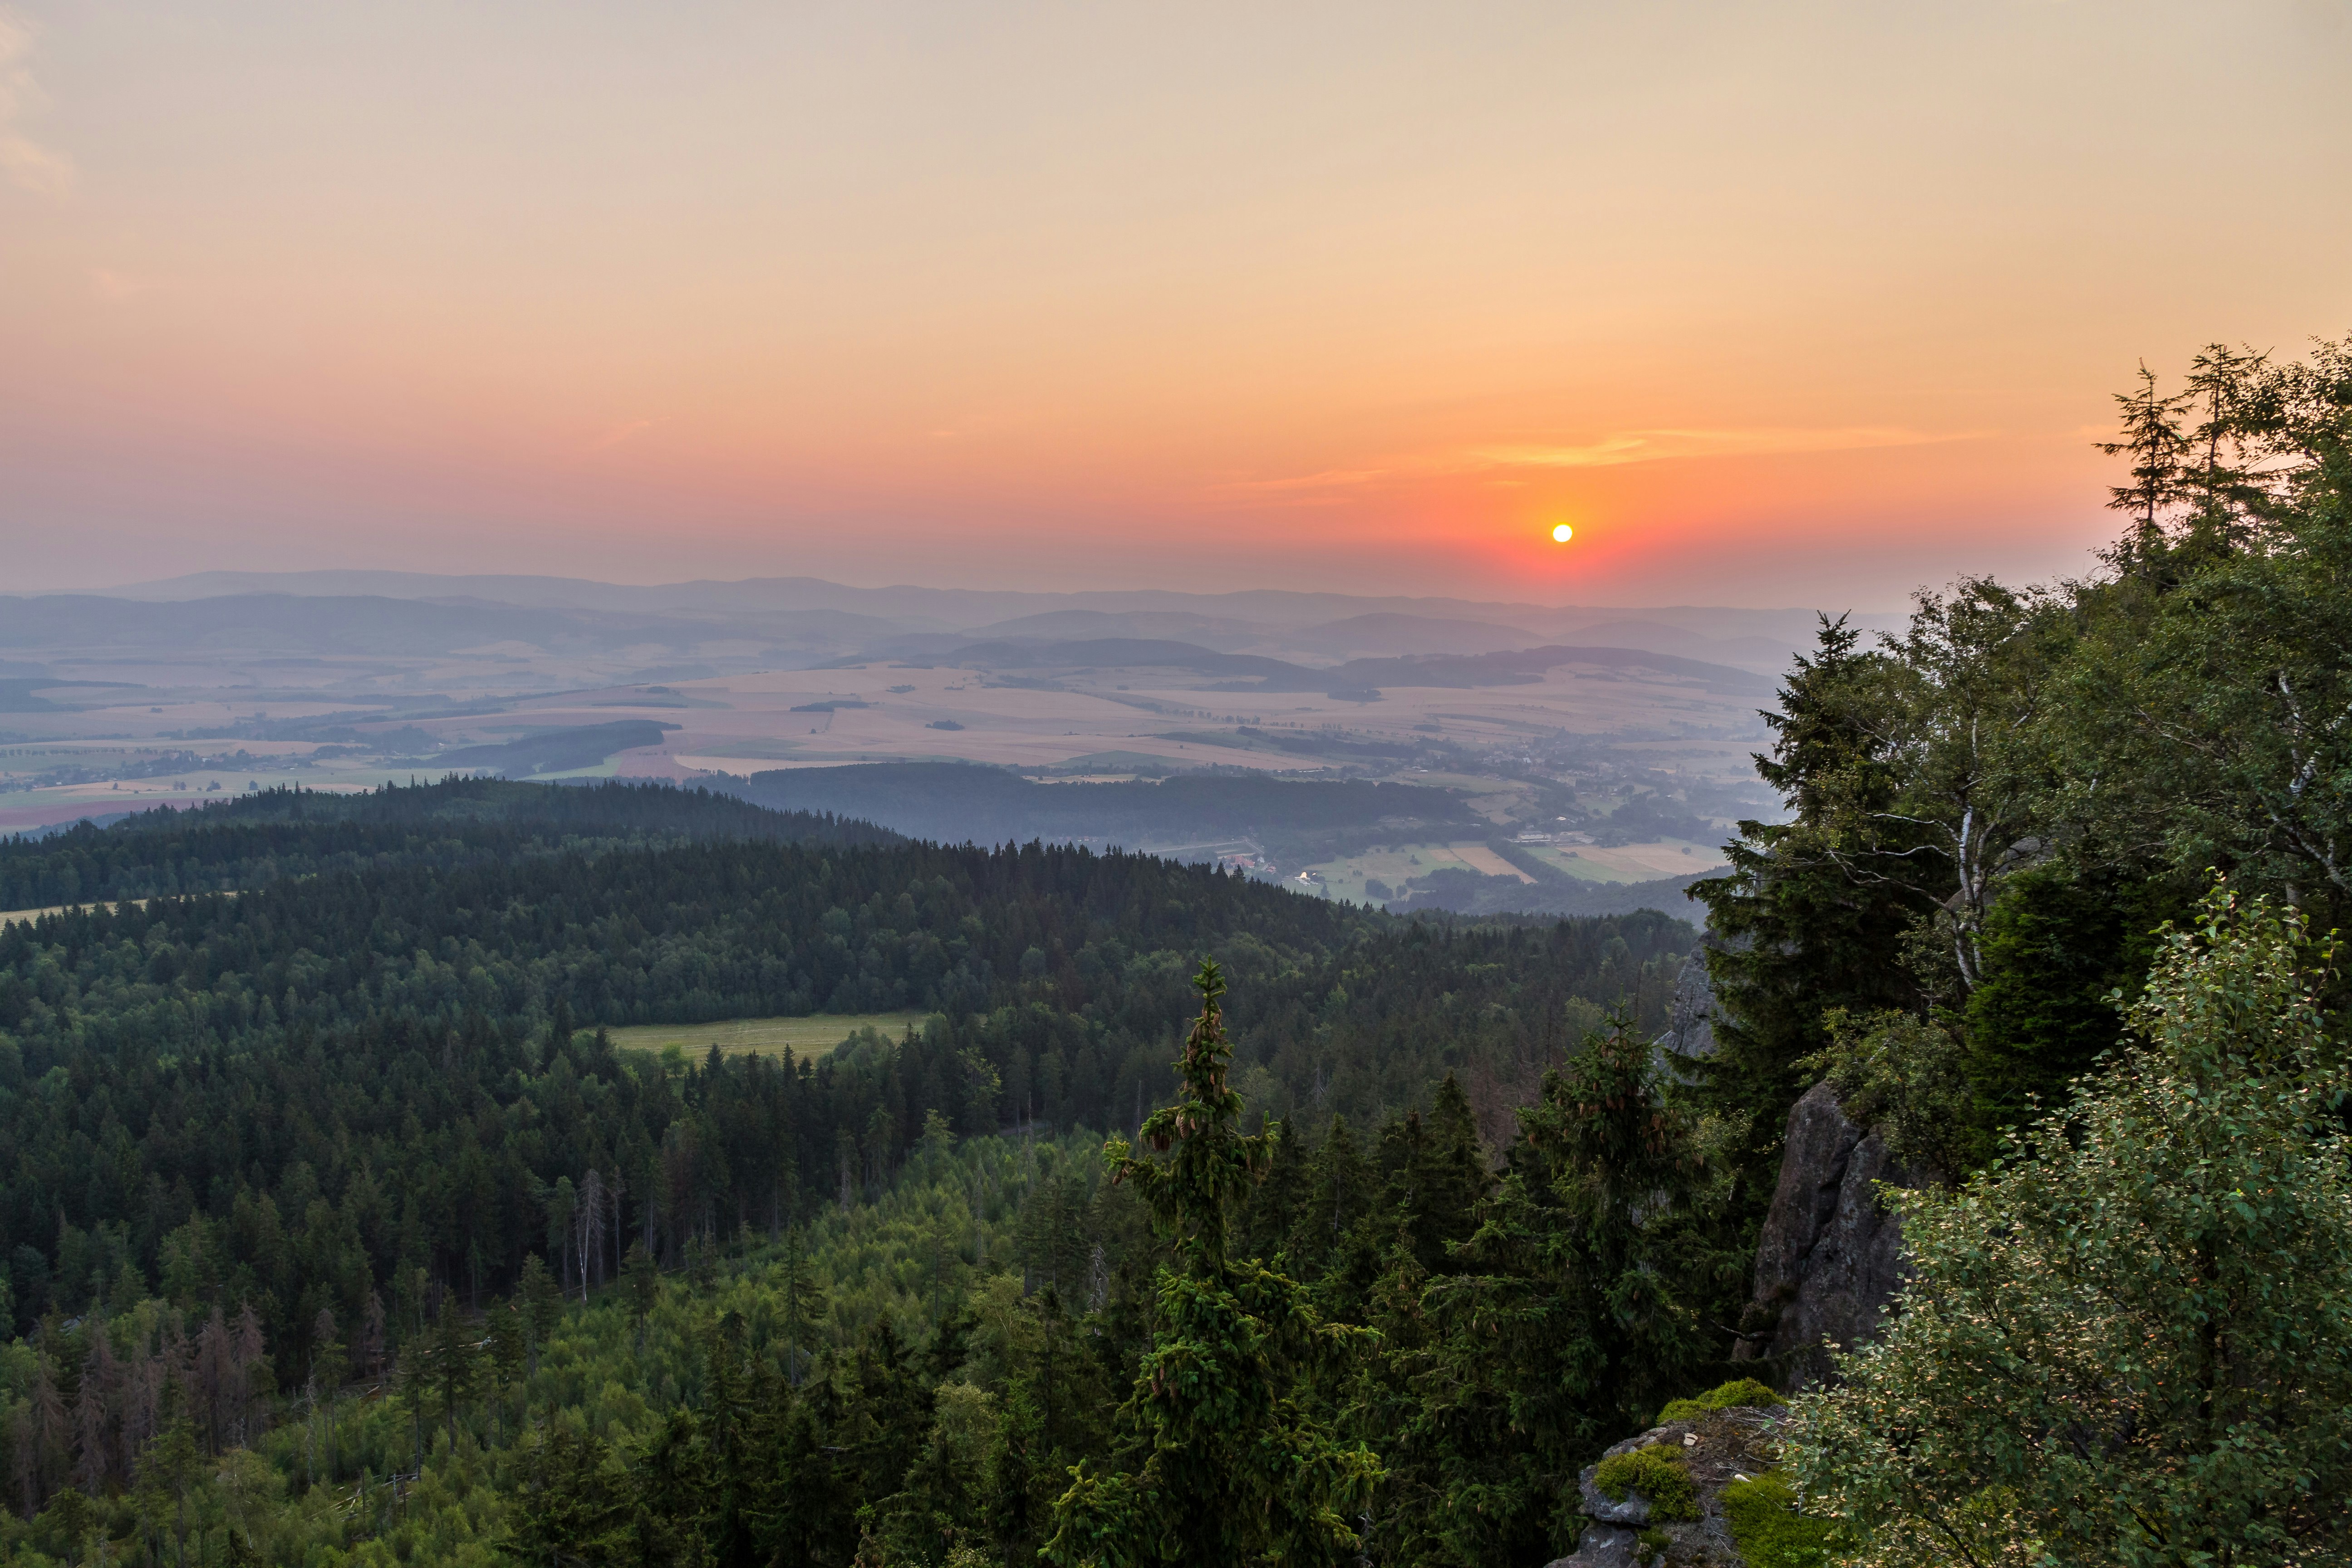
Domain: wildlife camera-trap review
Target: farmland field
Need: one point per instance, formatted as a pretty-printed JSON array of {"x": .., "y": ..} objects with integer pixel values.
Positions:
[
  {"x": 1630, "y": 862},
  {"x": 1396, "y": 864},
  {"x": 805, "y": 1037}
]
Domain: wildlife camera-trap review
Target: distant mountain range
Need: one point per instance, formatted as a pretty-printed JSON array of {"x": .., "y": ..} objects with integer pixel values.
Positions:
[
  {"x": 808, "y": 621},
  {"x": 1255, "y": 673}
]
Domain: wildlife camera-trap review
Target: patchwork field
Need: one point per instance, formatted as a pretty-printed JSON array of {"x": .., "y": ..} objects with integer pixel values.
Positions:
[
  {"x": 1395, "y": 865},
  {"x": 1630, "y": 862},
  {"x": 803, "y": 1037},
  {"x": 1121, "y": 720}
]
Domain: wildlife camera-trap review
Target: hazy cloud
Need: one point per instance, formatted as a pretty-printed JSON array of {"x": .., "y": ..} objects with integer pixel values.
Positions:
[
  {"x": 23, "y": 160},
  {"x": 1659, "y": 446},
  {"x": 1602, "y": 451},
  {"x": 1330, "y": 478},
  {"x": 626, "y": 430}
]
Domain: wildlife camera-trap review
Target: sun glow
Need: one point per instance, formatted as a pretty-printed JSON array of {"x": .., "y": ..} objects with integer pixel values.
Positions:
[{"x": 1562, "y": 533}]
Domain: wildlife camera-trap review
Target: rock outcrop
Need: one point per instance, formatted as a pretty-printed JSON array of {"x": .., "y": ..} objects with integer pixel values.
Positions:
[
  {"x": 1690, "y": 1017},
  {"x": 1717, "y": 1448},
  {"x": 1831, "y": 1255}
]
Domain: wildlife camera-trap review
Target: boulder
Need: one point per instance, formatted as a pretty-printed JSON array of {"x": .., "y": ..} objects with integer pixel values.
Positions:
[
  {"x": 1690, "y": 1015},
  {"x": 1603, "y": 1546},
  {"x": 1717, "y": 1448}
]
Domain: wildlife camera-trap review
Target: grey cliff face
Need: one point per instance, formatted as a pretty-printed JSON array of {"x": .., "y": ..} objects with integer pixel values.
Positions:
[
  {"x": 1690, "y": 1017},
  {"x": 1831, "y": 1256}
]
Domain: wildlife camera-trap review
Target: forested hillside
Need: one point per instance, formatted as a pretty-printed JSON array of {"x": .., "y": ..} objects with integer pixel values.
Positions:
[
  {"x": 253, "y": 839},
  {"x": 372, "y": 1086}
]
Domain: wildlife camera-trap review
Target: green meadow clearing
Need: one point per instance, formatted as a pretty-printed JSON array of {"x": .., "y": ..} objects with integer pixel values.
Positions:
[{"x": 805, "y": 1037}]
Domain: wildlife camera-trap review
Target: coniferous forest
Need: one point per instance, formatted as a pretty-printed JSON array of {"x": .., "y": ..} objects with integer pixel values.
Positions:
[{"x": 339, "y": 1230}]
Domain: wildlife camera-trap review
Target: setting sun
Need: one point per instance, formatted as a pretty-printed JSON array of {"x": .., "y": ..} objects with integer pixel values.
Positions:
[{"x": 1562, "y": 533}]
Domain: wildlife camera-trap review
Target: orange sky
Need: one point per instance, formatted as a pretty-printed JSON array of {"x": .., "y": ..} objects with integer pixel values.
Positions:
[{"x": 1798, "y": 304}]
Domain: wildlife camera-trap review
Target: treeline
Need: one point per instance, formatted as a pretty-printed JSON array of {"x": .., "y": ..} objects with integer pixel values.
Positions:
[
  {"x": 255, "y": 840},
  {"x": 964, "y": 802}
]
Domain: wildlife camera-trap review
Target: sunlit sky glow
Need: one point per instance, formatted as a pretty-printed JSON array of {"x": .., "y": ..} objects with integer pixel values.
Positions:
[{"x": 1786, "y": 304}]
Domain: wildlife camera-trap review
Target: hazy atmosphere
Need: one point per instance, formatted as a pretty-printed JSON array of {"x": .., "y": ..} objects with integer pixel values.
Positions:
[
  {"x": 1118, "y": 786},
  {"x": 1776, "y": 305}
]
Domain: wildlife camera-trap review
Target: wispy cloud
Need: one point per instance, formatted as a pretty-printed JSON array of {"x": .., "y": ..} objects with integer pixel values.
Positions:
[
  {"x": 1617, "y": 448},
  {"x": 23, "y": 160},
  {"x": 1330, "y": 479},
  {"x": 1662, "y": 445},
  {"x": 624, "y": 430}
]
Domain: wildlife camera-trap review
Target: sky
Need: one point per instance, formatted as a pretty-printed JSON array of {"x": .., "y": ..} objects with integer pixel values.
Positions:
[{"x": 1774, "y": 304}]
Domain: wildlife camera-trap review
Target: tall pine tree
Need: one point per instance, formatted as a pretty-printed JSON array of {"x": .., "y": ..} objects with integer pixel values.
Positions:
[{"x": 1221, "y": 1456}]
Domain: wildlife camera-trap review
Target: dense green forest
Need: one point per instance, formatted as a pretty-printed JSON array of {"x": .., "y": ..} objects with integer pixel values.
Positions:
[
  {"x": 254, "y": 840},
  {"x": 400, "y": 1043},
  {"x": 243, "y": 1133},
  {"x": 339, "y": 1231}
]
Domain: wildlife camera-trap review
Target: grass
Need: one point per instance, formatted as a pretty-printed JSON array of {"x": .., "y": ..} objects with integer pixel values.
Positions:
[{"x": 805, "y": 1037}]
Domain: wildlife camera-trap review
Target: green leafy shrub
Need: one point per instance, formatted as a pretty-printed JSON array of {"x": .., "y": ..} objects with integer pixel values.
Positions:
[
  {"x": 2162, "y": 1272},
  {"x": 1907, "y": 1077},
  {"x": 1658, "y": 1473},
  {"x": 1768, "y": 1529},
  {"x": 1741, "y": 1391}
]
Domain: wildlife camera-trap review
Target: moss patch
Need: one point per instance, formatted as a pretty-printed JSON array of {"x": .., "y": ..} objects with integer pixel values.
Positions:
[
  {"x": 1658, "y": 1473},
  {"x": 1768, "y": 1529},
  {"x": 1745, "y": 1391}
]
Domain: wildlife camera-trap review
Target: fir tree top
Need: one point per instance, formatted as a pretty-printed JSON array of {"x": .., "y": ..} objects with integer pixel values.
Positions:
[{"x": 1214, "y": 1163}]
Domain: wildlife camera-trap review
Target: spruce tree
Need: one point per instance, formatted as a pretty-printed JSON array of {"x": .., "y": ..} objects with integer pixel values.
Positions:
[
  {"x": 2158, "y": 451},
  {"x": 573, "y": 1509},
  {"x": 543, "y": 1305},
  {"x": 644, "y": 1281},
  {"x": 1796, "y": 931},
  {"x": 1581, "y": 1303},
  {"x": 1221, "y": 1457},
  {"x": 456, "y": 1362}
]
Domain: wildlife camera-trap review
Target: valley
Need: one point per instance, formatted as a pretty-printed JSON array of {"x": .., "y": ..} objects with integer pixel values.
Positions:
[{"x": 115, "y": 706}]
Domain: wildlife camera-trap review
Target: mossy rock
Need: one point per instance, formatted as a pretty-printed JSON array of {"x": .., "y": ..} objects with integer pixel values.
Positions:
[
  {"x": 1658, "y": 1473},
  {"x": 1742, "y": 1391},
  {"x": 1768, "y": 1529}
]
